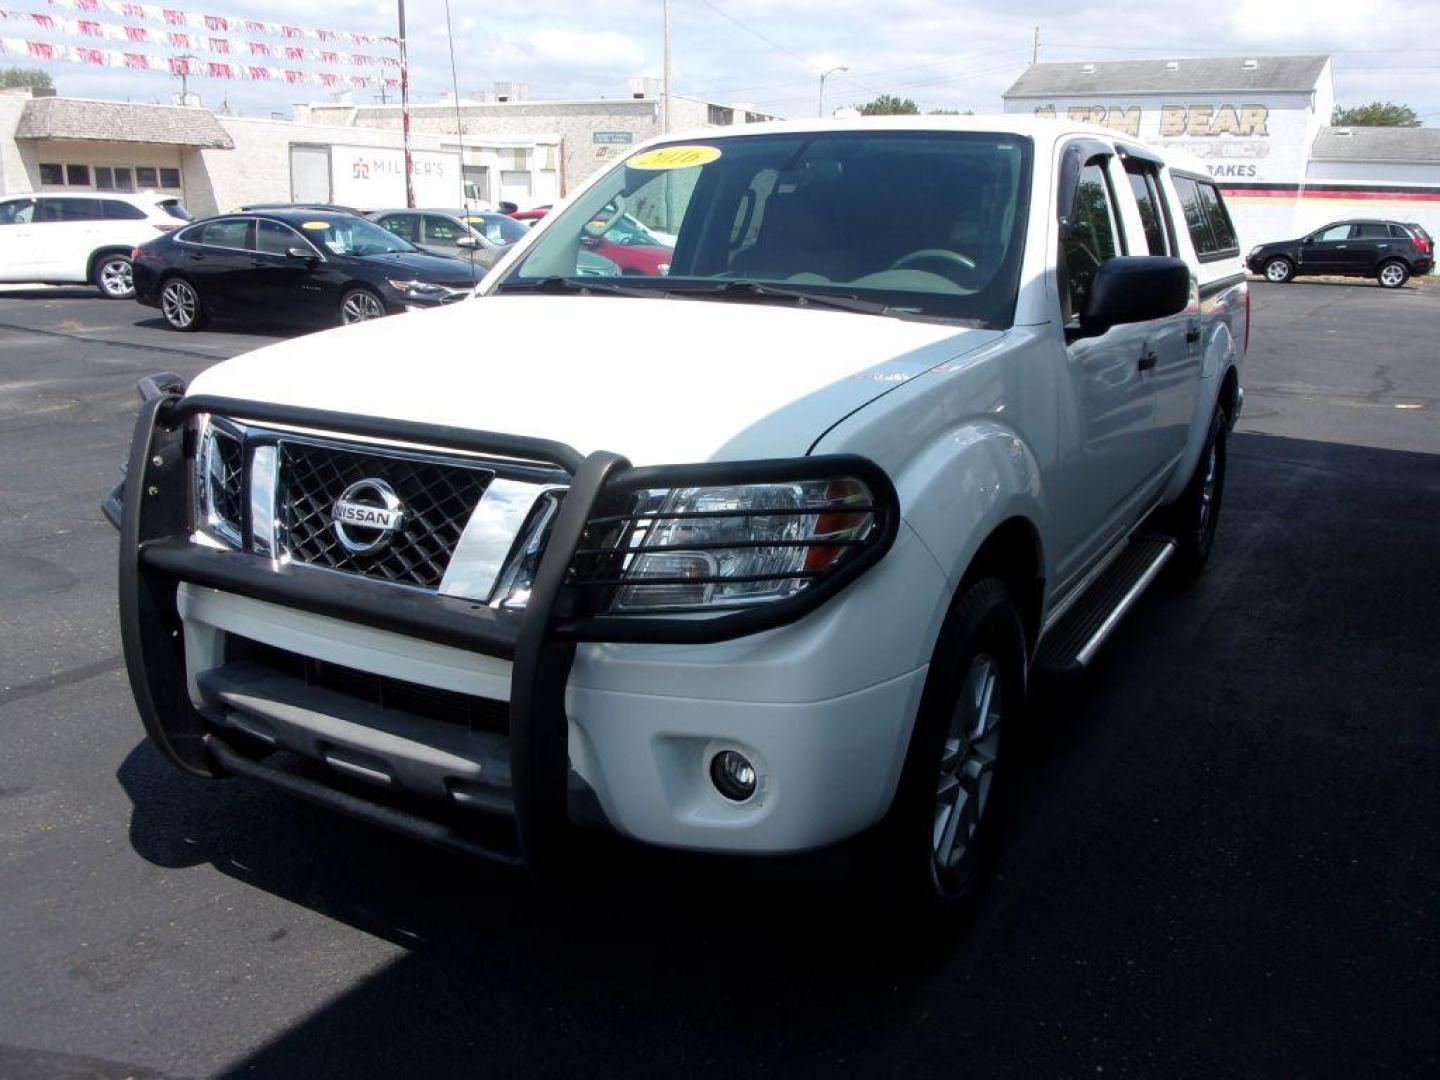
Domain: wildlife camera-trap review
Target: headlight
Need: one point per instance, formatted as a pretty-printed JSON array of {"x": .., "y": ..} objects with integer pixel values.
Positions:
[
  {"x": 219, "y": 481},
  {"x": 417, "y": 289},
  {"x": 708, "y": 547}
]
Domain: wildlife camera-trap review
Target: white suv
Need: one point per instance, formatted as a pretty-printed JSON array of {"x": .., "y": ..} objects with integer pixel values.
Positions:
[
  {"x": 57, "y": 238},
  {"x": 765, "y": 564}
]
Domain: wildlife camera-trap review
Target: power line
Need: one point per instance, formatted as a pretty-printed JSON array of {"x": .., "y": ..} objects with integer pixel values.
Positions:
[{"x": 775, "y": 44}]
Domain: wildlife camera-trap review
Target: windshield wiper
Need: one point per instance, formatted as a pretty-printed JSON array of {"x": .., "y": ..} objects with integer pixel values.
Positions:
[
  {"x": 745, "y": 289},
  {"x": 581, "y": 285}
]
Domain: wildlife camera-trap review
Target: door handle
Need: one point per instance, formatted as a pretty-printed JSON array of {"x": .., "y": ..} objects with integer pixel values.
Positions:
[
  {"x": 1148, "y": 359},
  {"x": 196, "y": 258},
  {"x": 1340, "y": 247}
]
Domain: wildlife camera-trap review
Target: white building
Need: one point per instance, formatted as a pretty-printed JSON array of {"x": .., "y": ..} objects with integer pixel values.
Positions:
[
  {"x": 1261, "y": 126},
  {"x": 215, "y": 162}
]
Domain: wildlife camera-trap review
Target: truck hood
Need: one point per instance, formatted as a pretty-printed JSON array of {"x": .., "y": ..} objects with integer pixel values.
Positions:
[{"x": 658, "y": 380}]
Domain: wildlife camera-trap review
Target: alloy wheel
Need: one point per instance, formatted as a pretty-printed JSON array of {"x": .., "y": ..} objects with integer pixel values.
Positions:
[
  {"x": 360, "y": 306},
  {"x": 967, "y": 763},
  {"x": 117, "y": 278},
  {"x": 1277, "y": 271},
  {"x": 1392, "y": 275},
  {"x": 179, "y": 304}
]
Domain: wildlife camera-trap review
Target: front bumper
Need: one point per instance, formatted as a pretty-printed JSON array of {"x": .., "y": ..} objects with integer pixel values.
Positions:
[{"x": 612, "y": 735}]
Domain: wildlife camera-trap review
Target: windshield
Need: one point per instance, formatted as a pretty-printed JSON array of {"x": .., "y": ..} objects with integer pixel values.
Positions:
[
  {"x": 920, "y": 222},
  {"x": 353, "y": 236}
]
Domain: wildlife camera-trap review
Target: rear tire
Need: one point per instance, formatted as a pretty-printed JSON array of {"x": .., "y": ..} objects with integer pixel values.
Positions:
[
  {"x": 1392, "y": 274},
  {"x": 181, "y": 306},
  {"x": 114, "y": 276},
  {"x": 1193, "y": 518},
  {"x": 1279, "y": 270},
  {"x": 935, "y": 844},
  {"x": 360, "y": 305}
]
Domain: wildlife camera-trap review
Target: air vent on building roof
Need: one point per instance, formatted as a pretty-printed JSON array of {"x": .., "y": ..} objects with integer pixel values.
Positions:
[
  {"x": 1087, "y": 69},
  {"x": 1172, "y": 65},
  {"x": 1250, "y": 65},
  {"x": 1344, "y": 132}
]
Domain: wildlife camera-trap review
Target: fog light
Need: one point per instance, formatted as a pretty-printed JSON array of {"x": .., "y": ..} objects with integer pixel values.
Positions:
[{"x": 733, "y": 775}]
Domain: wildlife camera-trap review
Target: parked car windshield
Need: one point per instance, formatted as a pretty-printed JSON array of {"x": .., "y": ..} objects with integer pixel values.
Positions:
[
  {"x": 353, "y": 236},
  {"x": 925, "y": 223}
]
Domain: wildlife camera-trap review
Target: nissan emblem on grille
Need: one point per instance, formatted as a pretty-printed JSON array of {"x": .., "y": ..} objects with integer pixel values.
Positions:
[{"x": 367, "y": 516}]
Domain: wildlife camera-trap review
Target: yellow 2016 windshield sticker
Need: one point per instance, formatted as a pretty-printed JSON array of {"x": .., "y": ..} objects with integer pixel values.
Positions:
[
  {"x": 315, "y": 225},
  {"x": 674, "y": 157}
]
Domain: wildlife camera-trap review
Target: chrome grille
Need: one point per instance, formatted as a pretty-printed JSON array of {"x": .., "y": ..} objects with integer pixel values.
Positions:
[{"x": 438, "y": 498}]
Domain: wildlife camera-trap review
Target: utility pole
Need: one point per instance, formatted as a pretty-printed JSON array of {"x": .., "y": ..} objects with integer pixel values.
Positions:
[
  {"x": 823, "y": 76},
  {"x": 183, "y": 70},
  {"x": 1035, "y": 48},
  {"x": 405, "y": 111},
  {"x": 665, "y": 77}
]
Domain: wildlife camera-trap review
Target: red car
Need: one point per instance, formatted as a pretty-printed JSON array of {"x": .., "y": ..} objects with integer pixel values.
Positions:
[{"x": 627, "y": 243}]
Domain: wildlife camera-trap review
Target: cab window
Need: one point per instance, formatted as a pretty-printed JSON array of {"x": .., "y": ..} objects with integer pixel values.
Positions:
[
  {"x": 1154, "y": 213},
  {"x": 1094, "y": 235}
]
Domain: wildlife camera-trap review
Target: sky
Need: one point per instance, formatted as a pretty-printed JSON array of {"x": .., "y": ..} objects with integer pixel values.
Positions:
[{"x": 769, "y": 53}]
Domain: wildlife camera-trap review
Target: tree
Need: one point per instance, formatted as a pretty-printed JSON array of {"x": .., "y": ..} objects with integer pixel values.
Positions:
[
  {"x": 31, "y": 77},
  {"x": 1376, "y": 114},
  {"x": 889, "y": 105}
]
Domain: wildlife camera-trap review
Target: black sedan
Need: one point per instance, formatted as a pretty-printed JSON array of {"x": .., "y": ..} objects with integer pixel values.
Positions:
[
  {"x": 309, "y": 267},
  {"x": 1391, "y": 252}
]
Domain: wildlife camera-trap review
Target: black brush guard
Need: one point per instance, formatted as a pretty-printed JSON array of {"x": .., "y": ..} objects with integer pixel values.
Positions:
[{"x": 152, "y": 506}]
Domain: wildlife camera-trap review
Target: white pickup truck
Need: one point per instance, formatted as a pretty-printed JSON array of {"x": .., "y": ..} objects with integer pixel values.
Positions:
[{"x": 758, "y": 556}]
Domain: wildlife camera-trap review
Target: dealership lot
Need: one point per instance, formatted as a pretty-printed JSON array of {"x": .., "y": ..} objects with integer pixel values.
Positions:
[{"x": 1224, "y": 855}]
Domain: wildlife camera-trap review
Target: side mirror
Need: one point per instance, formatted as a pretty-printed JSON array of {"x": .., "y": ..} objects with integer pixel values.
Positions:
[
  {"x": 467, "y": 242},
  {"x": 299, "y": 253},
  {"x": 590, "y": 241},
  {"x": 1135, "y": 288},
  {"x": 1309, "y": 240}
]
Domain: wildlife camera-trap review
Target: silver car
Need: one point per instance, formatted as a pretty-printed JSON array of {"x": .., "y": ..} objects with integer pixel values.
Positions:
[{"x": 460, "y": 234}]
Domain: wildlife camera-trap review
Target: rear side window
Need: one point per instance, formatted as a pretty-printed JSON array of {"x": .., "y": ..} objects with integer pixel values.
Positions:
[
  {"x": 69, "y": 210},
  {"x": 115, "y": 210},
  {"x": 1399, "y": 232},
  {"x": 440, "y": 230},
  {"x": 1206, "y": 218},
  {"x": 1370, "y": 230},
  {"x": 402, "y": 225},
  {"x": 229, "y": 233}
]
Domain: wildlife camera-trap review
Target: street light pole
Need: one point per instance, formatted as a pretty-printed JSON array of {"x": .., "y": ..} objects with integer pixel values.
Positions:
[
  {"x": 405, "y": 110},
  {"x": 823, "y": 76},
  {"x": 665, "y": 77}
]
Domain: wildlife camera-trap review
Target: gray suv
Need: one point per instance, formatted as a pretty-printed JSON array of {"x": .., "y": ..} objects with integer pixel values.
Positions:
[{"x": 461, "y": 234}]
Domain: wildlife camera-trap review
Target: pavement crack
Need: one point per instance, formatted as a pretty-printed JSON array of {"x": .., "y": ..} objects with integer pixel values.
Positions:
[
  {"x": 91, "y": 340},
  {"x": 68, "y": 677}
]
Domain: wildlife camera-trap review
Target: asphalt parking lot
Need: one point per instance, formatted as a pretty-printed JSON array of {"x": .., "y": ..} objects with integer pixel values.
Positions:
[{"x": 1224, "y": 859}]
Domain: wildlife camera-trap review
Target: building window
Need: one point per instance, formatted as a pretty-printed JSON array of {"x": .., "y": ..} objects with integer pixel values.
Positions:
[
  {"x": 104, "y": 178},
  {"x": 170, "y": 178},
  {"x": 77, "y": 175},
  {"x": 146, "y": 176},
  {"x": 721, "y": 116},
  {"x": 52, "y": 174}
]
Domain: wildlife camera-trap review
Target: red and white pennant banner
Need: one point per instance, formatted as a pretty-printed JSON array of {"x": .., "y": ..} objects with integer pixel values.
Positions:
[
  {"x": 183, "y": 39},
  {"x": 175, "y": 65},
  {"x": 218, "y": 23}
]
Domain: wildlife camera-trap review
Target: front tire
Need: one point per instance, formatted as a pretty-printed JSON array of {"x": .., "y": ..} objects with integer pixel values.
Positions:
[
  {"x": 181, "y": 306},
  {"x": 1193, "y": 518},
  {"x": 1279, "y": 270},
  {"x": 114, "y": 276},
  {"x": 1392, "y": 274},
  {"x": 360, "y": 305},
  {"x": 935, "y": 844}
]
